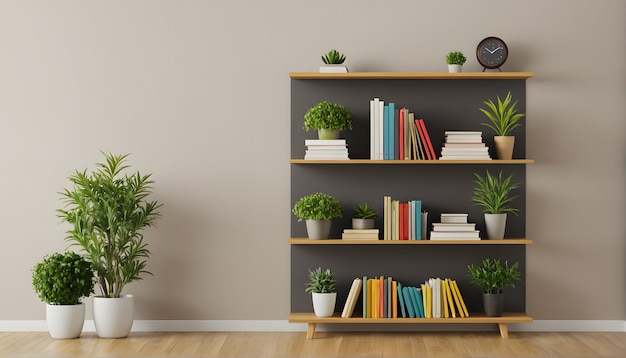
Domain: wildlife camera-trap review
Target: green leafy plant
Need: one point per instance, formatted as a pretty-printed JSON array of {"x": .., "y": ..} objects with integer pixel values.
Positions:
[
  {"x": 493, "y": 193},
  {"x": 63, "y": 278},
  {"x": 108, "y": 211},
  {"x": 455, "y": 58},
  {"x": 492, "y": 276},
  {"x": 318, "y": 206},
  {"x": 321, "y": 281},
  {"x": 333, "y": 57},
  {"x": 327, "y": 115},
  {"x": 365, "y": 211},
  {"x": 502, "y": 115}
]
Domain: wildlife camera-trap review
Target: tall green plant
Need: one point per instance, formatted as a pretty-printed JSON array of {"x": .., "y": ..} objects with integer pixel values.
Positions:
[
  {"x": 492, "y": 276},
  {"x": 503, "y": 115},
  {"x": 493, "y": 193},
  {"x": 108, "y": 211}
]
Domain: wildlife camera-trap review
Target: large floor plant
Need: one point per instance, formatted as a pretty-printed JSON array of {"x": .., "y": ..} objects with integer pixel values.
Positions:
[{"x": 108, "y": 211}]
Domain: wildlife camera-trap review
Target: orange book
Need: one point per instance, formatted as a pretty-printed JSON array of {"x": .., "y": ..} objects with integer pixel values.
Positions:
[
  {"x": 394, "y": 299},
  {"x": 381, "y": 300}
]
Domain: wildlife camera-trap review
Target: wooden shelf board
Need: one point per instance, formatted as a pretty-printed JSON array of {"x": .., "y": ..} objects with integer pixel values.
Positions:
[
  {"x": 310, "y": 317},
  {"x": 412, "y": 162},
  {"x": 411, "y": 75},
  {"x": 305, "y": 241}
]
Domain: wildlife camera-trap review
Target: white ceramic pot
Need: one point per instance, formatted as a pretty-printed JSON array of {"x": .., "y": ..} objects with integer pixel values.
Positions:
[
  {"x": 455, "y": 68},
  {"x": 65, "y": 321},
  {"x": 318, "y": 229},
  {"x": 324, "y": 303},
  {"x": 113, "y": 317},
  {"x": 495, "y": 223}
]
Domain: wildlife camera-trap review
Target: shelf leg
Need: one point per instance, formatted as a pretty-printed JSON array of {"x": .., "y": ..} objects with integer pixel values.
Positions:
[
  {"x": 310, "y": 330},
  {"x": 504, "y": 330}
]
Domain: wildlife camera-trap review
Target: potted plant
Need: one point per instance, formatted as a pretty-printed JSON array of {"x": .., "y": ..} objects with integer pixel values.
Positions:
[
  {"x": 455, "y": 61},
  {"x": 364, "y": 217},
  {"x": 61, "y": 280},
  {"x": 333, "y": 62},
  {"x": 321, "y": 285},
  {"x": 503, "y": 118},
  {"x": 317, "y": 210},
  {"x": 493, "y": 193},
  {"x": 492, "y": 276},
  {"x": 328, "y": 118},
  {"x": 108, "y": 211}
]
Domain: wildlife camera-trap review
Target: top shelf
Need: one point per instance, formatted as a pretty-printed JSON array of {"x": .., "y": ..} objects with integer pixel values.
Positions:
[{"x": 411, "y": 76}]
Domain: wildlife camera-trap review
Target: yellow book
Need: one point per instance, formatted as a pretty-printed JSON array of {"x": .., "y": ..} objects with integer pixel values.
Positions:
[
  {"x": 375, "y": 296},
  {"x": 456, "y": 288},
  {"x": 449, "y": 297},
  {"x": 394, "y": 299},
  {"x": 444, "y": 300},
  {"x": 456, "y": 299},
  {"x": 428, "y": 300},
  {"x": 369, "y": 298}
]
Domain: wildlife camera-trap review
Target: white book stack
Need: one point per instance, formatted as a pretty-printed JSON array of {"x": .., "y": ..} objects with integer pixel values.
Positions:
[
  {"x": 326, "y": 149},
  {"x": 463, "y": 145},
  {"x": 454, "y": 227}
]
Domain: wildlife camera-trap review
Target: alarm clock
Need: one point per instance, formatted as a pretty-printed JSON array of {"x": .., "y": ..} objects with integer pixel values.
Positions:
[{"x": 491, "y": 53}]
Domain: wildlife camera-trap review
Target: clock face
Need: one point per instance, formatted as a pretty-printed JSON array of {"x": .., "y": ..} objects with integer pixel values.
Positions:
[{"x": 492, "y": 52}]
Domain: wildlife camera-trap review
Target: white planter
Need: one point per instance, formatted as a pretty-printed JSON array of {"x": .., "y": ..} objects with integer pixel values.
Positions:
[
  {"x": 495, "y": 223},
  {"x": 65, "y": 321},
  {"x": 455, "y": 68},
  {"x": 333, "y": 69},
  {"x": 324, "y": 303},
  {"x": 318, "y": 229},
  {"x": 113, "y": 317}
]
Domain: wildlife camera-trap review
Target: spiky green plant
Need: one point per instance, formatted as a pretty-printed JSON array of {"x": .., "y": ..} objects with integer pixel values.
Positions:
[
  {"x": 318, "y": 206},
  {"x": 503, "y": 115},
  {"x": 321, "y": 281},
  {"x": 108, "y": 211},
  {"x": 365, "y": 211},
  {"x": 333, "y": 57},
  {"x": 493, "y": 193},
  {"x": 455, "y": 58},
  {"x": 492, "y": 276},
  {"x": 63, "y": 278}
]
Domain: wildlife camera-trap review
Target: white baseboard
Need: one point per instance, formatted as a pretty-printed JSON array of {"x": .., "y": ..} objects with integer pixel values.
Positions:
[{"x": 284, "y": 326}]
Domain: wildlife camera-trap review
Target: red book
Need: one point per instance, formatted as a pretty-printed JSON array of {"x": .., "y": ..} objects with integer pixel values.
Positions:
[
  {"x": 401, "y": 135},
  {"x": 381, "y": 302},
  {"x": 420, "y": 130},
  {"x": 430, "y": 144}
]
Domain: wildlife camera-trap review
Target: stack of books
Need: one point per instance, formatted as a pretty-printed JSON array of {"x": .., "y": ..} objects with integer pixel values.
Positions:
[
  {"x": 464, "y": 146},
  {"x": 360, "y": 234},
  {"x": 326, "y": 149},
  {"x": 454, "y": 227}
]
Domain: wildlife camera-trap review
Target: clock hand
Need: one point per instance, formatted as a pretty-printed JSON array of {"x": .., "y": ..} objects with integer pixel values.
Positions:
[{"x": 491, "y": 52}]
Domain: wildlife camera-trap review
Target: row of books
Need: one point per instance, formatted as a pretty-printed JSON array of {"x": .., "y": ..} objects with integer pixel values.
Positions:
[
  {"x": 383, "y": 297},
  {"x": 454, "y": 226},
  {"x": 396, "y": 134},
  {"x": 464, "y": 145},
  {"x": 326, "y": 149},
  {"x": 404, "y": 220}
]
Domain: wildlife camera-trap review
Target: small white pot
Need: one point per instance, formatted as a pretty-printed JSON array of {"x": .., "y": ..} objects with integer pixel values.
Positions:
[
  {"x": 495, "y": 223},
  {"x": 113, "y": 317},
  {"x": 455, "y": 68},
  {"x": 65, "y": 321},
  {"x": 324, "y": 303}
]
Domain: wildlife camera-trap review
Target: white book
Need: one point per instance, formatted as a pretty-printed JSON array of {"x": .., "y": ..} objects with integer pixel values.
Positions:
[
  {"x": 381, "y": 129},
  {"x": 372, "y": 128},
  {"x": 451, "y": 218},
  {"x": 324, "y": 142},
  {"x": 465, "y": 157},
  {"x": 454, "y": 227}
]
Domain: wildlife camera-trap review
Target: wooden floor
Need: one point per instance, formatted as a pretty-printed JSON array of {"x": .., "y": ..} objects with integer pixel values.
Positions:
[{"x": 326, "y": 344}]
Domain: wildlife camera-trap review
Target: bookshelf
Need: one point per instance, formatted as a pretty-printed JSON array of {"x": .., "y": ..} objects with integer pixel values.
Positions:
[{"x": 446, "y": 102}]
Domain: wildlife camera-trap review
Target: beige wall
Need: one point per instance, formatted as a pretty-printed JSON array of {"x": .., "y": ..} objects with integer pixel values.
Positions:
[{"x": 198, "y": 92}]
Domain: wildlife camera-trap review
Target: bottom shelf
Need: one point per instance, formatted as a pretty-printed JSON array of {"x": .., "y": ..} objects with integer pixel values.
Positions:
[{"x": 311, "y": 319}]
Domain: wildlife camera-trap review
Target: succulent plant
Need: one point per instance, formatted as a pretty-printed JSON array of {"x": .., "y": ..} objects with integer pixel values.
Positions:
[{"x": 333, "y": 57}]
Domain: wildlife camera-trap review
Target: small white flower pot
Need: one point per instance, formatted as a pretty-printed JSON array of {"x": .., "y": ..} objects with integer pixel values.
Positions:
[
  {"x": 455, "y": 68},
  {"x": 65, "y": 321},
  {"x": 324, "y": 303},
  {"x": 495, "y": 223}
]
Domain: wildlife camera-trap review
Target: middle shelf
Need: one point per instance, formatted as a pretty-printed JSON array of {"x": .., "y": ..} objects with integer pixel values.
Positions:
[{"x": 305, "y": 241}]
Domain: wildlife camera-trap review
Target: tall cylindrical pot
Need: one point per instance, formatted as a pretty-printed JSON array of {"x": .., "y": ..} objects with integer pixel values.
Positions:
[
  {"x": 65, "y": 321},
  {"x": 318, "y": 229},
  {"x": 324, "y": 303},
  {"x": 493, "y": 303},
  {"x": 113, "y": 317},
  {"x": 496, "y": 224}
]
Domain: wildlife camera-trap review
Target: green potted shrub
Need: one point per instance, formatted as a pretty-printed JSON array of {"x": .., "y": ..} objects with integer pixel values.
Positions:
[
  {"x": 455, "y": 61},
  {"x": 333, "y": 62},
  {"x": 317, "y": 210},
  {"x": 364, "y": 217},
  {"x": 321, "y": 285},
  {"x": 492, "y": 276},
  {"x": 61, "y": 280},
  {"x": 503, "y": 118},
  {"x": 108, "y": 210},
  {"x": 328, "y": 118},
  {"x": 493, "y": 193}
]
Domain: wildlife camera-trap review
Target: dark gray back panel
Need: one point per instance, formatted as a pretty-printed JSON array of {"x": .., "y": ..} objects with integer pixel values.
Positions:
[{"x": 444, "y": 105}]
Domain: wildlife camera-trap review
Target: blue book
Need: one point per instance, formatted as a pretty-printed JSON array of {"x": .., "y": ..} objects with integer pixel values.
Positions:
[
  {"x": 390, "y": 132},
  {"x": 385, "y": 132},
  {"x": 364, "y": 289},
  {"x": 417, "y": 218},
  {"x": 420, "y": 301},
  {"x": 414, "y": 302},
  {"x": 401, "y": 299},
  {"x": 406, "y": 293}
]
